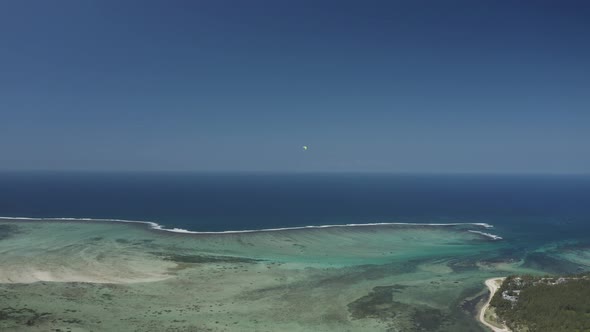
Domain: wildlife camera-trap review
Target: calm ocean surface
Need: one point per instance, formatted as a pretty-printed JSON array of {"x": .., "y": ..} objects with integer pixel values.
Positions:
[{"x": 540, "y": 207}]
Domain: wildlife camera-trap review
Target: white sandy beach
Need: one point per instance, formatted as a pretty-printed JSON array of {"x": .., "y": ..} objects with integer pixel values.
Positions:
[{"x": 493, "y": 285}]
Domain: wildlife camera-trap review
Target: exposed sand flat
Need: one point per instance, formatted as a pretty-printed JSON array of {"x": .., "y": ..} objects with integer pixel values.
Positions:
[
  {"x": 493, "y": 285},
  {"x": 25, "y": 275}
]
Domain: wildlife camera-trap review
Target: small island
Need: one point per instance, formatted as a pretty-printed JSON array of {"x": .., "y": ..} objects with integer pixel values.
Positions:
[{"x": 539, "y": 304}]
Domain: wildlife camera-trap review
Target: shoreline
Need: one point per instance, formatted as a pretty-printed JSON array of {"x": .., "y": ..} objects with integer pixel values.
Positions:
[{"x": 493, "y": 287}]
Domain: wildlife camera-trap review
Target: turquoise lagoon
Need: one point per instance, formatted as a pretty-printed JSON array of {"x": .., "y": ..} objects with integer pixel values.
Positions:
[{"x": 420, "y": 265}]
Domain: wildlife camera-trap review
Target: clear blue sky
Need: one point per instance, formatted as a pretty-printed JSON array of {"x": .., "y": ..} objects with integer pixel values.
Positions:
[{"x": 375, "y": 86}]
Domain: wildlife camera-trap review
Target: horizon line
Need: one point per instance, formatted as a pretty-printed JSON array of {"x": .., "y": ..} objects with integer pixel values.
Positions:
[{"x": 286, "y": 172}]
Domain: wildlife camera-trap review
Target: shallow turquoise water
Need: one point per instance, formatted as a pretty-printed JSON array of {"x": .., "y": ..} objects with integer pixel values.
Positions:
[{"x": 105, "y": 276}]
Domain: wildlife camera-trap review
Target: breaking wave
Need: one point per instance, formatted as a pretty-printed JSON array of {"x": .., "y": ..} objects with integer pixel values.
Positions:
[{"x": 155, "y": 226}]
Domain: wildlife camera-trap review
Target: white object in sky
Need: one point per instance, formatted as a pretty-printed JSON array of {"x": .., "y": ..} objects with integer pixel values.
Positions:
[{"x": 304, "y": 148}]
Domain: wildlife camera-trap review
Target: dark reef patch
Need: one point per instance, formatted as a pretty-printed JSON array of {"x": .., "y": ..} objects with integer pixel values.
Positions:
[
  {"x": 7, "y": 231},
  {"x": 22, "y": 316},
  {"x": 428, "y": 319},
  {"x": 470, "y": 305},
  {"x": 544, "y": 262},
  {"x": 461, "y": 266},
  {"x": 201, "y": 259},
  {"x": 464, "y": 310},
  {"x": 379, "y": 304}
]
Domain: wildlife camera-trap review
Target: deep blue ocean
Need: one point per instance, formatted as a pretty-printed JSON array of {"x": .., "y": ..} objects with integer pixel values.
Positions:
[{"x": 537, "y": 206}]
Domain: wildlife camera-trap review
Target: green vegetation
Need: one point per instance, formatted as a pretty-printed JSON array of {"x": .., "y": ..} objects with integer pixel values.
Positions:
[{"x": 540, "y": 304}]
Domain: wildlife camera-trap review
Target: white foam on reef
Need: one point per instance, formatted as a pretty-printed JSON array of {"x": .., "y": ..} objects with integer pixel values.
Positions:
[
  {"x": 491, "y": 236},
  {"x": 156, "y": 226}
]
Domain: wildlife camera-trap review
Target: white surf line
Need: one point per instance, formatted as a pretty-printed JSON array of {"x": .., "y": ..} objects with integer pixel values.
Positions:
[
  {"x": 156, "y": 226},
  {"x": 491, "y": 236}
]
